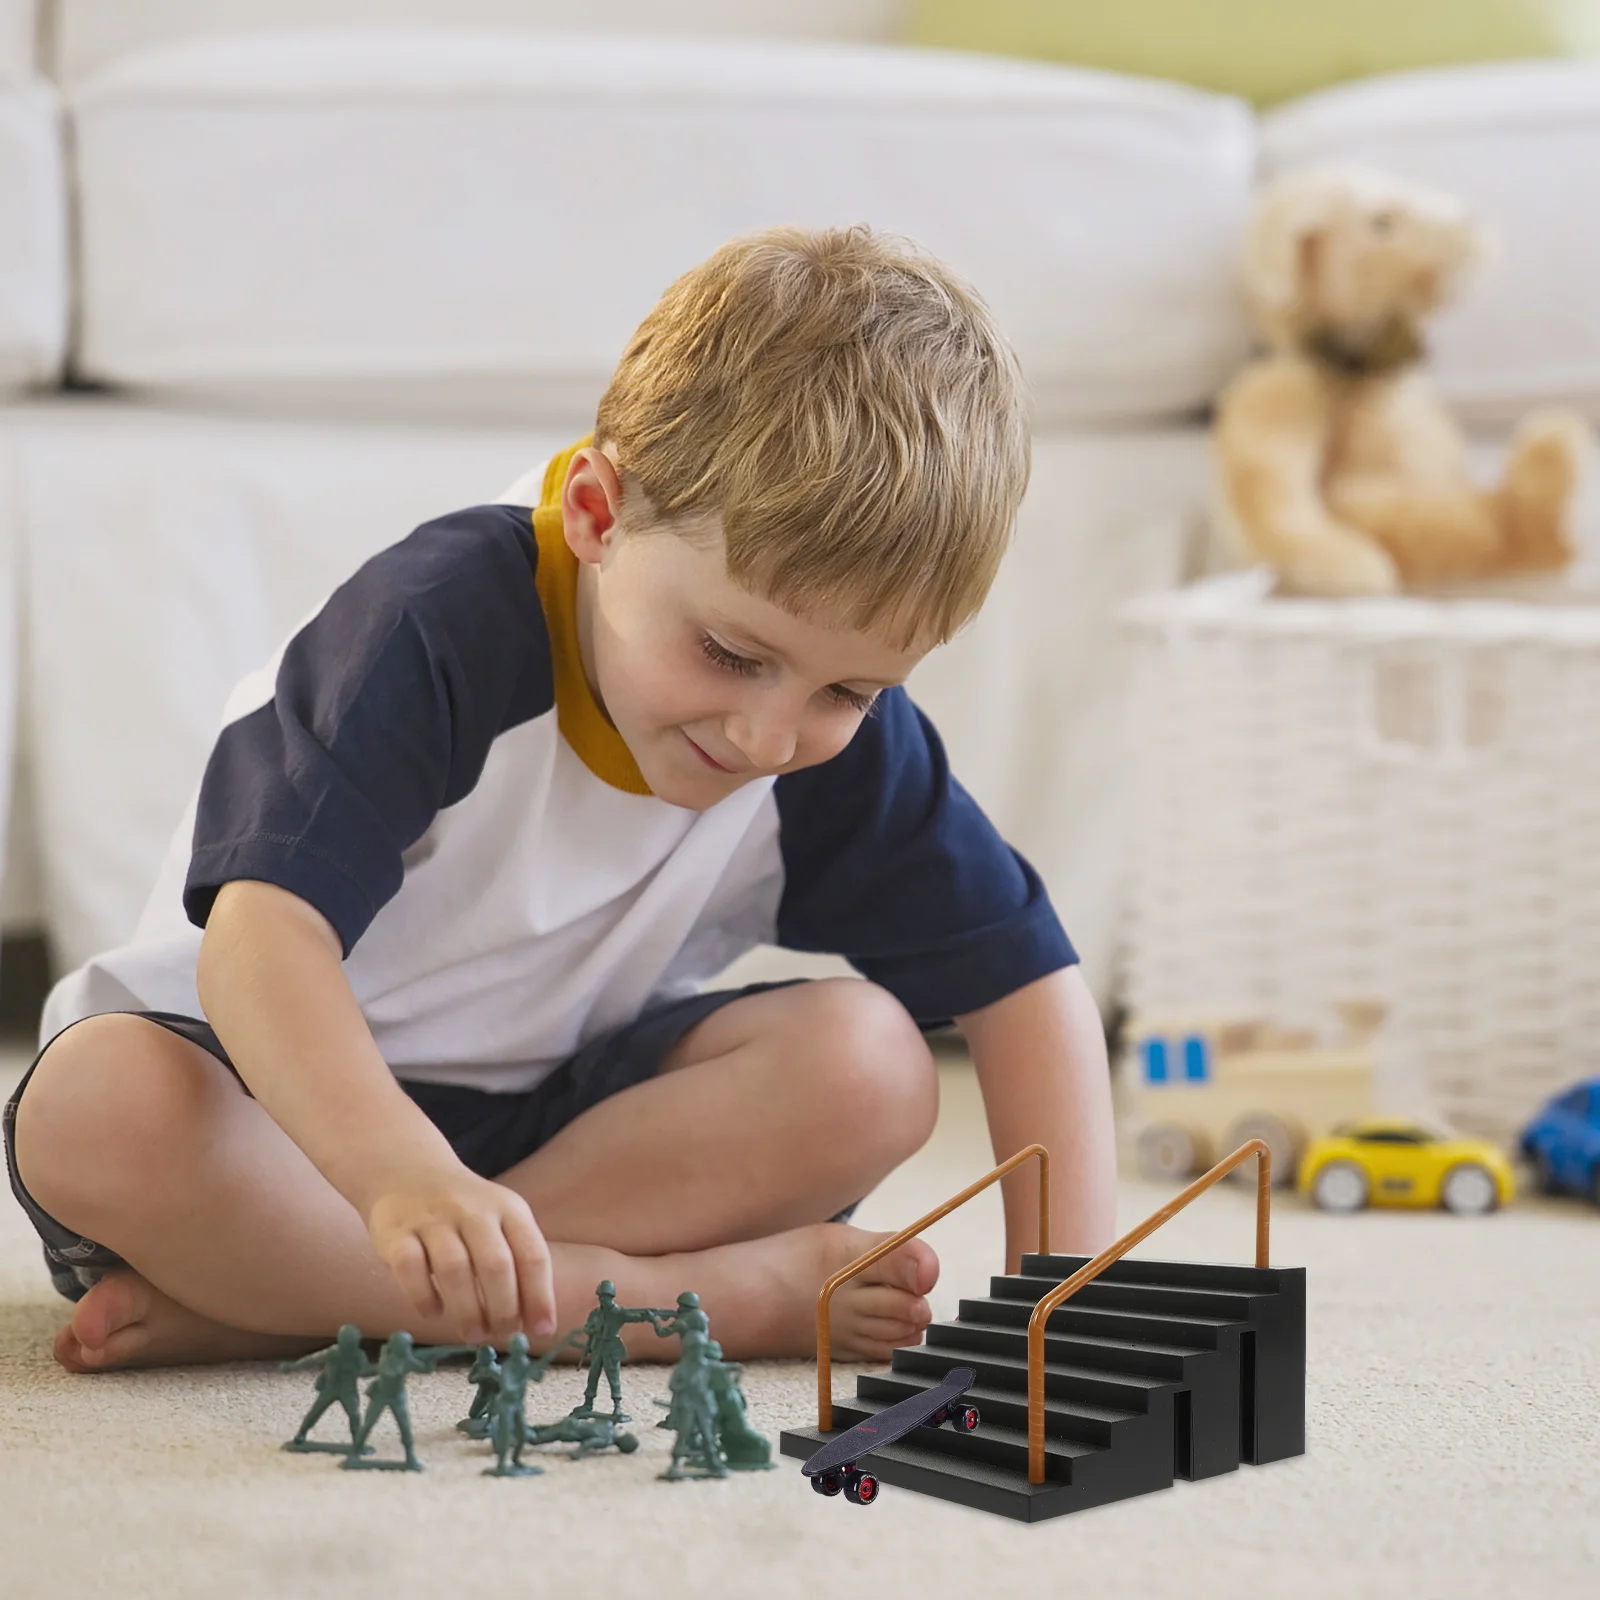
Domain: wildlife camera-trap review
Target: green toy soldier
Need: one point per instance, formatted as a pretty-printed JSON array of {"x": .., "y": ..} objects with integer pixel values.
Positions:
[
  {"x": 688, "y": 1318},
  {"x": 343, "y": 1364},
  {"x": 486, "y": 1374},
  {"x": 387, "y": 1392},
  {"x": 604, "y": 1349},
  {"x": 742, "y": 1447},
  {"x": 590, "y": 1434},
  {"x": 507, "y": 1416},
  {"x": 508, "y": 1419},
  {"x": 692, "y": 1414}
]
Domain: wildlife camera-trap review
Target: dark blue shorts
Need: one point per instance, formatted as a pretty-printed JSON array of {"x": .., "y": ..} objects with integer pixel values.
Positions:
[{"x": 489, "y": 1132}]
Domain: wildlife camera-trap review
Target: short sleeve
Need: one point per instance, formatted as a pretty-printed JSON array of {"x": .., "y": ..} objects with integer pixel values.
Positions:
[
  {"x": 890, "y": 863},
  {"x": 383, "y": 711}
]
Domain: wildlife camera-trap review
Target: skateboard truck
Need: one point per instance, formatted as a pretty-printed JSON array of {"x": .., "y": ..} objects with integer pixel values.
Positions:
[{"x": 860, "y": 1488}]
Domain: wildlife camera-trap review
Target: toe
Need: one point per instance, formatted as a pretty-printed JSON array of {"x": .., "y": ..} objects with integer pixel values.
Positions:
[
  {"x": 115, "y": 1303},
  {"x": 891, "y": 1305},
  {"x": 124, "y": 1348},
  {"x": 68, "y": 1352},
  {"x": 888, "y": 1333},
  {"x": 913, "y": 1268},
  {"x": 119, "y": 1350}
]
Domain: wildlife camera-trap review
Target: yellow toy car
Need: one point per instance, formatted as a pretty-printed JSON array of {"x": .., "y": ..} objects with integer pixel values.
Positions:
[{"x": 1387, "y": 1161}]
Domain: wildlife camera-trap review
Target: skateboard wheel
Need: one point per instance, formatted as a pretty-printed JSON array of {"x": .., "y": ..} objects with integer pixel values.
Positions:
[
  {"x": 827, "y": 1483},
  {"x": 861, "y": 1489},
  {"x": 966, "y": 1418},
  {"x": 937, "y": 1420}
]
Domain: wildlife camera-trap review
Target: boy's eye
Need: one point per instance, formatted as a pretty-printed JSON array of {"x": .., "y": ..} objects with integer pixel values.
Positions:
[
  {"x": 725, "y": 658},
  {"x": 731, "y": 661},
  {"x": 852, "y": 697}
]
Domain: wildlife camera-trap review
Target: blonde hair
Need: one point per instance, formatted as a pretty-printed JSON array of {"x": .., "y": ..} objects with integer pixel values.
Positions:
[{"x": 851, "y": 412}]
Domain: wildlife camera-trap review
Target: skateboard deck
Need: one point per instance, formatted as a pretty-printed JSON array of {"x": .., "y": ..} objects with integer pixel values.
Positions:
[{"x": 888, "y": 1426}]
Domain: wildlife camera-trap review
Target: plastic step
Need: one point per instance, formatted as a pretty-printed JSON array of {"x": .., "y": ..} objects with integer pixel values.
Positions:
[
  {"x": 1168, "y": 1299},
  {"x": 1169, "y": 1361},
  {"x": 1078, "y": 1420},
  {"x": 1163, "y": 1274},
  {"x": 1098, "y": 1479},
  {"x": 1001, "y": 1444},
  {"x": 1127, "y": 1391},
  {"x": 1103, "y": 1321}
]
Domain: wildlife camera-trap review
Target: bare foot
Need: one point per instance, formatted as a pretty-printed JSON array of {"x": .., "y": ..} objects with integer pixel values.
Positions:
[
  {"x": 125, "y": 1321},
  {"x": 886, "y": 1305},
  {"x": 774, "y": 1303}
]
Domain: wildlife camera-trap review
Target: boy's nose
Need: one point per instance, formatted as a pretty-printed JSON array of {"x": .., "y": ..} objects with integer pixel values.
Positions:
[{"x": 766, "y": 739}]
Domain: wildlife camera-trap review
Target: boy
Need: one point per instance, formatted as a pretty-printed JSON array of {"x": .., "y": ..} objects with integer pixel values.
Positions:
[{"x": 463, "y": 856}]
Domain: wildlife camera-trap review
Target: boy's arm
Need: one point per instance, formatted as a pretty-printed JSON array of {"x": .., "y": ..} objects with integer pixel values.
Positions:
[
  {"x": 1041, "y": 1059},
  {"x": 273, "y": 986}
]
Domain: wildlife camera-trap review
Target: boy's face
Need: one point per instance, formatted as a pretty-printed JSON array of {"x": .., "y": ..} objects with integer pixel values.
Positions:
[{"x": 709, "y": 685}]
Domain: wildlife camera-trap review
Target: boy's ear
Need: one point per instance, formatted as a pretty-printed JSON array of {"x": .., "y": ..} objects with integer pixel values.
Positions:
[{"x": 590, "y": 500}]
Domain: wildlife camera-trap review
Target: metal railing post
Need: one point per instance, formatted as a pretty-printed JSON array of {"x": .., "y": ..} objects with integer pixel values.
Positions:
[{"x": 861, "y": 1263}]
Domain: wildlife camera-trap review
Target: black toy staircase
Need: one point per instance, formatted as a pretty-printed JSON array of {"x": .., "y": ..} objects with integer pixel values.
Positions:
[{"x": 1152, "y": 1371}]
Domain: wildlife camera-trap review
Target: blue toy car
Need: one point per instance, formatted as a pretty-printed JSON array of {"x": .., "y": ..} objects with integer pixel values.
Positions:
[{"x": 1563, "y": 1142}]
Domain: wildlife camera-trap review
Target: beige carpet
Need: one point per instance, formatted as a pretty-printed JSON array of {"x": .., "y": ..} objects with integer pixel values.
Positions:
[{"x": 1454, "y": 1451}]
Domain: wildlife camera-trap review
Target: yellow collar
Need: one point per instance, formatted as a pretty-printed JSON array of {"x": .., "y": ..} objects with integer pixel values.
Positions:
[{"x": 584, "y": 726}]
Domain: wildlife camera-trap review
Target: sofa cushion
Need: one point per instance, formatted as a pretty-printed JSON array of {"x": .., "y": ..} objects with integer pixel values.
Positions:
[
  {"x": 17, "y": 24},
  {"x": 1265, "y": 50},
  {"x": 33, "y": 260},
  {"x": 155, "y": 581},
  {"x": 1520, "y": 142},
  {"x": 486, "y": 217},
  {"x": 89, "y": 34}
]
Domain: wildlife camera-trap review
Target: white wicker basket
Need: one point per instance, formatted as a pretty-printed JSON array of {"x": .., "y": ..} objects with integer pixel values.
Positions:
[{"x": 1388, "y": 799}]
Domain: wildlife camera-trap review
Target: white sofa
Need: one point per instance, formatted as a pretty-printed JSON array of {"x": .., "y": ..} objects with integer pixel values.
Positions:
[{"x": 336, "y": 277}]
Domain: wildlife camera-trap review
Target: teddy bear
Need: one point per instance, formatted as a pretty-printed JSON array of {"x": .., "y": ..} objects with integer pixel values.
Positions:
[{"x": 1337, "y": 462}]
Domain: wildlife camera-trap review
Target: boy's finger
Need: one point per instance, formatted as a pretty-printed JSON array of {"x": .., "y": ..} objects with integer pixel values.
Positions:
[
  {"x": 408, "y": 1261},
  {"x": 496, "y": 1273},
  {"x": 451, "y": 1267},
  {"x": 536, "y": 1290}
]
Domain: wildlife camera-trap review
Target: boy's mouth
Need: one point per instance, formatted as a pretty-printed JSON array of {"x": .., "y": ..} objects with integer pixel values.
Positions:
[{"x": 710, "y": 760}]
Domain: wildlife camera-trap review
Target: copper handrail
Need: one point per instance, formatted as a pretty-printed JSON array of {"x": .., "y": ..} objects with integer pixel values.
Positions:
[
  {"x": 824, "y": 1332},
  {"x": 1092, "y": 1269}
]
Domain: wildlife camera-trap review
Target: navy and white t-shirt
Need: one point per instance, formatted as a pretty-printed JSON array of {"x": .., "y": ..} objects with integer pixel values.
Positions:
[{"x": 425, "y": 764}]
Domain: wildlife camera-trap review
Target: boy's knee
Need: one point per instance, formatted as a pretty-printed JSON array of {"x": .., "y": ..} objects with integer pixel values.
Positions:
[
  {"x": 883, "y": 1082},
  {"x": 109, "y": 1092}
]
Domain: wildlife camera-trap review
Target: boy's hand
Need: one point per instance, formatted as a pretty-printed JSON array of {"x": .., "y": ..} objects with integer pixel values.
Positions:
[{"x": 467, "y": 1249}]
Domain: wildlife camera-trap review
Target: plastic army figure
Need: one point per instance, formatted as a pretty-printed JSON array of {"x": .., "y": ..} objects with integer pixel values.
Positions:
[
  {"x": 508, "y": 1417},
  {"x": 590, "y": 1434},
  {"x": 688, "y": 1318},
  {"x": 486, "y": 1374},
  {"x": 692, "y": 1415},
  {"x": 742, "y": 1447},
  {"x": 604, "y": 1349},
  {"x": 342, "y": 1365},
  {"x": 387, "y": 1392}
]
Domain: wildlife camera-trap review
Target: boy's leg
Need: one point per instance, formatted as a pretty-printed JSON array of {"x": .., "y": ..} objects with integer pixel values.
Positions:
[
  {"x": 781, "y": 1108},
  {"x": 139, "y": 1139}
]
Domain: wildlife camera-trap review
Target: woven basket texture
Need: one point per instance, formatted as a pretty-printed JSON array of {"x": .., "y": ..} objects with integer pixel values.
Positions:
[{"x": 1393, "y": 799}]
